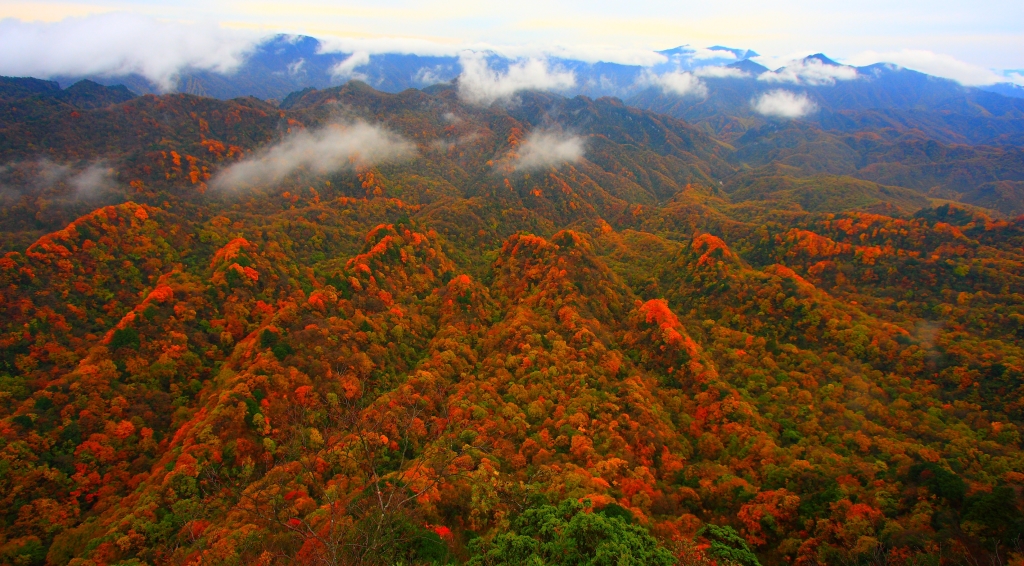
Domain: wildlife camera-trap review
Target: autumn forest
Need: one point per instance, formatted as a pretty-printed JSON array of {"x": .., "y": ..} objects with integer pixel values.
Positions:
[{"x": 357, "y": 327}]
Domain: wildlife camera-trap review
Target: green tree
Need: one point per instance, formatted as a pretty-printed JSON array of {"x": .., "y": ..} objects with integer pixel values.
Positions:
[
  {"x": 570, "y": 534},
  {"x": 728, "y": 546}
]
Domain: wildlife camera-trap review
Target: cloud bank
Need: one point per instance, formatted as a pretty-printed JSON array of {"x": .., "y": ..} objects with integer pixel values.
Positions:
[
  {"x": 122, "y": 43},
  {"x": 479, "y": 84},
  {"x": 678, "y": 82},
  {"x": 423, "y": 47},
  {"x": 117, "y": 44},
  {"x": 783, "y": 104},
  {"x": 541, "y": 149},
  {"x": 334, "y": 148},
  {"x": 810, "y": 72},
  {"x": 935, "y": 64}
]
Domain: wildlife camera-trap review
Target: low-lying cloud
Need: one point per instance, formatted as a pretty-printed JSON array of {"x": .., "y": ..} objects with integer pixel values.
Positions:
[
  {"x": 346, "y": 69},
  {"x": 434, "y": 75},
  {"x": 58, "y": 184},
  {"x": 541, "y": 149},
  {"x": 936, "y": 64},
  {"x": 118, "y": 44},
  {"x": 423, "y": 47},
  {"x": 719, "y": 72},
  {"x": 334, "y": 148},
  {"x": 479, "y": 84},
  {"x": 783, "y": 104},
  {"x": 681, "y": 83},
  {"x": 811, "y": 72},
  {"x": 93, "y": 180}
]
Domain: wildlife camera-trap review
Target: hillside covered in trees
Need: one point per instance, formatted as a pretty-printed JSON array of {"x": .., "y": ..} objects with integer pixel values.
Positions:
[{"x": 382, "y": 328}]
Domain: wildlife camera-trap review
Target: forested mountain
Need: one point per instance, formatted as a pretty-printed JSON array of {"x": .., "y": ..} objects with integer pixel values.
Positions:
[
  {"x": 375, "y": 327},
  {"x": 717, "y": 87}
]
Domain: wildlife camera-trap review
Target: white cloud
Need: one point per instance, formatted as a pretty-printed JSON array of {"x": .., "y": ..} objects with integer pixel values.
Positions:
[
  {"x": 933, "y": 64},
  {"x": 700, "y": 53},
  {"x": 92, "y": 180},
  {"x": 117, "y": 44},
  {"x": 296, "y": 66},
  {"x": 776, "y": 61},
  {"x": 677, "y": 82},
  {"x": 717, "y": 72},
  {"x": 541, "y": 149},
  {"x": 334, "y": 148},
  {"x": 479, "y": 84},
  {"x": 1015, "y": 77},
  {"x": 414, "y": 46},
  {"x": 586, "y": 53},
  {"x": 783, "y": 104},
  {"x": 430, "y": 75},
  {"x": 347, "y": 69},
  {"x": 62, "y": 184},
  {"x": 810, "y": 72}
]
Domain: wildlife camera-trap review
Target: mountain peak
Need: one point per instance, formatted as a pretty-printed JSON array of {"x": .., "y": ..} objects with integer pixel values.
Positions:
[
  {"x": 750, "y": 67},
  {"x": 741, "y": 54},
  {"x": 821, "y": 58}
]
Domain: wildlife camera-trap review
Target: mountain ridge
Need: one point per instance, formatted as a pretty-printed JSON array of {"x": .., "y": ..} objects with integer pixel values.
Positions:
[{"x": 763, "y": 350}]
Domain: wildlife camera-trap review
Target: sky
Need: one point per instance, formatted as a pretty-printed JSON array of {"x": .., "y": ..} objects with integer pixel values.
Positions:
[{"x": 977, "y": 42}]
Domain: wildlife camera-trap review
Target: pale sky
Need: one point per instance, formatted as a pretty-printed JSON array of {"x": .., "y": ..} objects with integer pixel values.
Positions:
[{"x": 974, "y": 42}]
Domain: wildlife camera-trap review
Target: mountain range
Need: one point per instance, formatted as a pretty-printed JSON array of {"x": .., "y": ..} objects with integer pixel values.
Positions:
[
  {"x": 720, "y": 88},
  {"x": 354, "y": 326}
]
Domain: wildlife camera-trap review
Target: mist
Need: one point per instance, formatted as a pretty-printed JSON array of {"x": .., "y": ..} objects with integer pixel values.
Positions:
[
  {"x": 783, "y": 104},
  {"x": 719, "y": 72},
  {"x": 810, "y": 72},
  {"x": 92, "y": 180},
  {"x": 334, "y": 148},
  {"x": 543, "y": 148},
  {"x": 680, "y": 83},
  {"x": 118, "y": 44},
  {"x": 479, "y": 84},
  {"x": 346, "y": 69}
]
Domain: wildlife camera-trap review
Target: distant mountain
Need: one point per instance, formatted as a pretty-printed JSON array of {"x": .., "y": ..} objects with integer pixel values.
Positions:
[
  {"x": 835, "y": 97},
  {"x": 82, "y": 94},
  {"x": 1005, "y": 89},
  {"x": 848, "y": 99}
]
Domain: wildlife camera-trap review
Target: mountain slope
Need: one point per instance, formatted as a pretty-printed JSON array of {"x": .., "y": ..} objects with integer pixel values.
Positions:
[{"x": 405, "y": 359}]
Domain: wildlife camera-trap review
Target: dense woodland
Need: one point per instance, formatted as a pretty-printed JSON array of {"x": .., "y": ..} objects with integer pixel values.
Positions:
[{"x": 788, "y": 347}]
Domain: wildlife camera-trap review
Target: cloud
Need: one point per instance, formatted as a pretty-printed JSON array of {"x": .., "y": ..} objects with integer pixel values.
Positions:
[
  {"x": 717, "y": 72},
  {"x": 783, "y": 104},
  {"x": 92, "y": 180},
  {"x": 810, "y": 72},
  {"x": 479, "y": 84},
  {"x": 701, "y": 53},
  {"x": 544, "y": 148},
  {"x": 932, "y": 63},
  {"x": 585, "y": 53},
  {"x": 347, "y": 69},
  {"x": 432, "y": 75},
  {"x": 118, "y": 44},
  {"x": 59, "y": 184},
  {"x": 296, "y": 66},
  {"x": 423, "y": 47},
  {"x": 681, "y": 83},
  {"x": 334, "y": 148}
]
